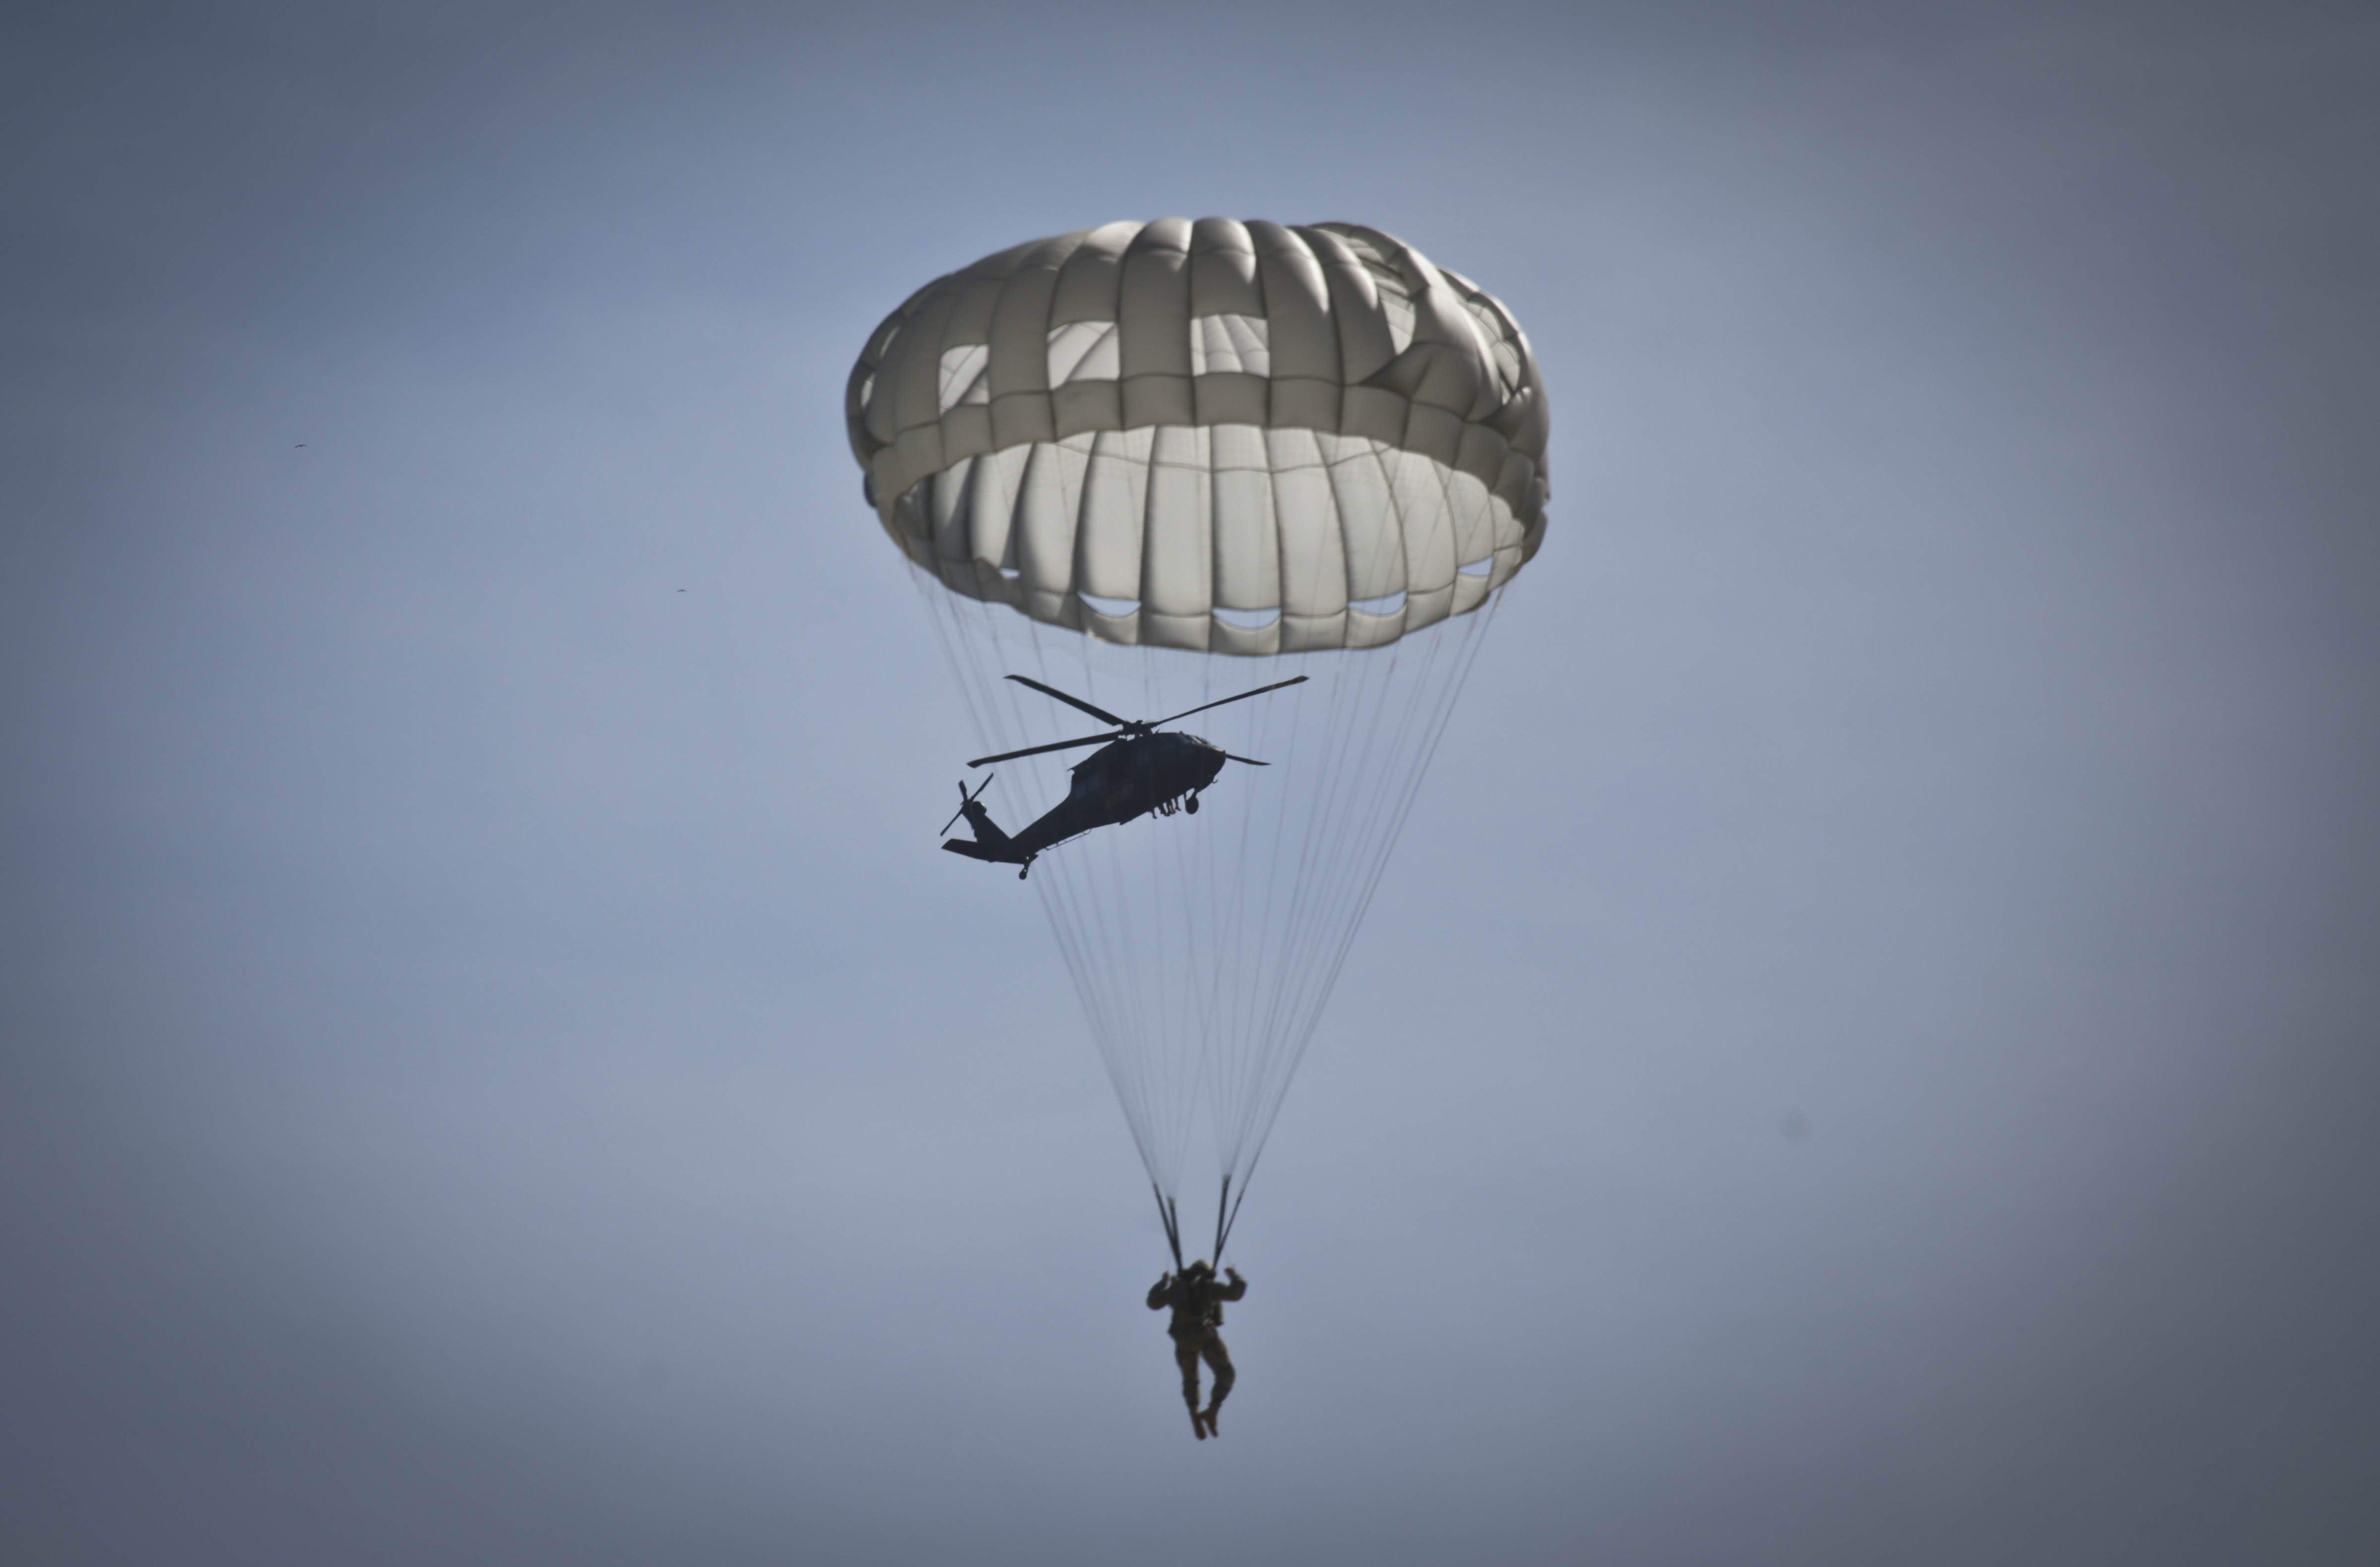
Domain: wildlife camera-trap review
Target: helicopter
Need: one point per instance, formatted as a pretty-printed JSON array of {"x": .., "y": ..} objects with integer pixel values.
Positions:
[{"x": 1135, "y": 771}]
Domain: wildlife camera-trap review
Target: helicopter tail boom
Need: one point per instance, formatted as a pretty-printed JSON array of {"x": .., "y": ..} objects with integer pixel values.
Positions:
[
  {"x": 989, "y": 843},
  {"x": 999, "y": 853}
]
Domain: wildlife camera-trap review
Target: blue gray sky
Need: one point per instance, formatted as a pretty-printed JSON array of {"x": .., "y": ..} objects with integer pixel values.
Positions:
[{"x": 1866, "y": 1053}]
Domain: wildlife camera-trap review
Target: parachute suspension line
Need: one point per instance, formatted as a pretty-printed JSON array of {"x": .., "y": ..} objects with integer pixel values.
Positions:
[
  {"x": 1270, "y": 940},
  {"x": 1430, "y": 719},
  {"x": 1222, "y": 1218},
  {"x": 1110, "y": 935},
  {"x": 1226, "y": 894},
  {"x": 1087, "y": 901},
  {"x": 1337, "y": 910},
  {"x": 1173, "y": 928},
  {"x": 1341, "y": 760},
  {"x": 984, "y": 693},
  {"x": 1140, "y": 906}
]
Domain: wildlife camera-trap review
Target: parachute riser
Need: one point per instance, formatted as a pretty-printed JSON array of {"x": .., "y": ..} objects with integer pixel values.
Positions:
[
  {"x": 1223, "y": 1219},
  {"x": 1173, "y": 1221},
  {"x": 1227, "y": 1214}
]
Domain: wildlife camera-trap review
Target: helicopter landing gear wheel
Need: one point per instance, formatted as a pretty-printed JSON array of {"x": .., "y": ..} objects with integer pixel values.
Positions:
[{"x": 1191, "y": 805}]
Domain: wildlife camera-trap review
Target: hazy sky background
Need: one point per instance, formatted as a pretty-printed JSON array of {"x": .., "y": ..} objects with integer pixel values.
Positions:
[{"x": 1866, "y": 1053}]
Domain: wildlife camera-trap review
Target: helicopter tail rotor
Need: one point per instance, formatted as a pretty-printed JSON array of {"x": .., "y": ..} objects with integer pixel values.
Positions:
[{"x": 966, "y": 800}]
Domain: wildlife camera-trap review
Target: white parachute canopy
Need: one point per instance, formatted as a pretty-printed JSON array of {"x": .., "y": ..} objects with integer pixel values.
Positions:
[{"x": 1156, "y": 464}]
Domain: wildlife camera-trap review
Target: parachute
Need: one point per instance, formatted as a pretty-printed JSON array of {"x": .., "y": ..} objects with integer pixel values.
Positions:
[{"x": 1156, "y": 463}]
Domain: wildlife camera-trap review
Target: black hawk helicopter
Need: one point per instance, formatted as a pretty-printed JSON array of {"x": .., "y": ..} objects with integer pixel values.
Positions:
[{"x": 1135, "y": 771}]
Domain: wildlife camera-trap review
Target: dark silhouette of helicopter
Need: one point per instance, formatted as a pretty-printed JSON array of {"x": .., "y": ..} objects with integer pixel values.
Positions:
[{"x": 1135, "y": 770}]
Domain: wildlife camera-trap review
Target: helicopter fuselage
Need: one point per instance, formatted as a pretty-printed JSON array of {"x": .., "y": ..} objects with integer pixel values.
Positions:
[{"x": 1122, "y": 780}]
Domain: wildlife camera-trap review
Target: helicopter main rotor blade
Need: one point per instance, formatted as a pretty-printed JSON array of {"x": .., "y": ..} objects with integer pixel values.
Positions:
[
  {"x": 1103, "y": 716},
  {"x": 1250, "y": 761},
  {"x": 1059, "y": 745},
  {"x": 1294, "y": 680}
]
